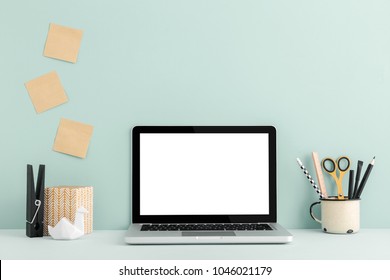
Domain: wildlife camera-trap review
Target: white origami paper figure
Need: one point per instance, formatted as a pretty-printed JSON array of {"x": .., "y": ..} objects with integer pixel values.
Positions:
[{"x": 64, "y": 229}]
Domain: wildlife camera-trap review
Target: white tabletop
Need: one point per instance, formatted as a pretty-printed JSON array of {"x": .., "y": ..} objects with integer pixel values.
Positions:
[{"x": 109, "y": 244}]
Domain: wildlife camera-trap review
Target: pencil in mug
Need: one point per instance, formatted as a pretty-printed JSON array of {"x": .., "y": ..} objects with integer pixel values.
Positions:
[
  {"x": 365, "y": 178},
  {"x": 312, "y": 182}
]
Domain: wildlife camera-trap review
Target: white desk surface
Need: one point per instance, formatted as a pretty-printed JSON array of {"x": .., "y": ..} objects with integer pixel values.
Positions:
[{"x": 109, "y": 245}]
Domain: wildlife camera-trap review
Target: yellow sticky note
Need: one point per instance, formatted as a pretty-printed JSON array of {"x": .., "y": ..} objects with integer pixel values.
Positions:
[
  {"x": 46, "y": 92},
  {"x": 63, "y": 43},
  {"x": 73, "y": 138}
]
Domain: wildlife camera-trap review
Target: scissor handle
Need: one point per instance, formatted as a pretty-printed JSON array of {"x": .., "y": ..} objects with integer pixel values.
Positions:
[
  {"x": 333, "y": 165},
  {"x": 339, "y": 165}
]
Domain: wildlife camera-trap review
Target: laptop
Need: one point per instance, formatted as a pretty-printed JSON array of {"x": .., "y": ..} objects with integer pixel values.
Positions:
[{"x": 204, "y": 184}]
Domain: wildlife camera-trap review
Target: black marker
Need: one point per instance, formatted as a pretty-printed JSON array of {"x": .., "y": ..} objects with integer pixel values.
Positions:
[
  {"x": 350, "y": 186},
  {"x": 358, "y": 171},
  {"x": 365, "y": 178}
]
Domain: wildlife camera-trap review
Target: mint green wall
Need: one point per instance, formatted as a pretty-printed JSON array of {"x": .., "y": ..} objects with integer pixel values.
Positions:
[{"x": 317, "y": 70}]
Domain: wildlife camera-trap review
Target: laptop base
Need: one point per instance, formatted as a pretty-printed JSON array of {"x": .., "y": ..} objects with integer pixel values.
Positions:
[{"x": 134, "y": 235}]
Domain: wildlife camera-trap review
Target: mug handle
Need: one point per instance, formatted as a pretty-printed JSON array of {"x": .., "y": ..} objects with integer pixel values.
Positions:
[{"x": 312, "y": 214}]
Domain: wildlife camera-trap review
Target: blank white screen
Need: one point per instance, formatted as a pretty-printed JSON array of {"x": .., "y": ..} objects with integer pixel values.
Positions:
[{"x": 204, "y": 174}]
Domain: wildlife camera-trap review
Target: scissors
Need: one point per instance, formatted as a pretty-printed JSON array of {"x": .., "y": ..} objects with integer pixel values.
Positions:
[{"x": 341, "y": 165}]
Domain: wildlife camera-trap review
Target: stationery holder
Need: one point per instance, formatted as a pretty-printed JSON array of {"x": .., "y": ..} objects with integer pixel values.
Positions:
[
  {"x": 63, "y": 201},
  {"x": 35, "y": 202}
]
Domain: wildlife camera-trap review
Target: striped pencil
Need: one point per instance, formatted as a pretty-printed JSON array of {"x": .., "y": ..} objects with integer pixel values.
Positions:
[{"x": 312, "y": 182}]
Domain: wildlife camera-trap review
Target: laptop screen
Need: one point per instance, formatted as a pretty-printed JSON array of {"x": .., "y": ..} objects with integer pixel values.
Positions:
[{"x": 204, "y": 174}]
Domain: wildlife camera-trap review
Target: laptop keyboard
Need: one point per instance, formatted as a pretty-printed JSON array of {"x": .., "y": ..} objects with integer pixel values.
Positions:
[{"x": 199, "y": 227}]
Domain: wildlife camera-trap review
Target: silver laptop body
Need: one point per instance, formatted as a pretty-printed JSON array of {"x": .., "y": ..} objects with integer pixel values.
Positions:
[{"x": 204, "y": 184}]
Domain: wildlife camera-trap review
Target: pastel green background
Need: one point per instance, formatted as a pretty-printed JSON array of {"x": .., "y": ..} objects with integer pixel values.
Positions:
[{"x": 317, "y": 70}]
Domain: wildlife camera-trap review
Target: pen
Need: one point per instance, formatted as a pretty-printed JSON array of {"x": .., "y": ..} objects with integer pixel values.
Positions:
[
  {"x": 365, "y": 178},
  {"x": 317, "y": 189},
  {"x": 358, "y": 171},
  {"x": 350, "y": 186}
]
